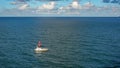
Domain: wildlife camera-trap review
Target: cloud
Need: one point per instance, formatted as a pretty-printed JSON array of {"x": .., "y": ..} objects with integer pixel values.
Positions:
[
  {"x": 75, "y": 5},
  {"x": 13, "y": 3},
  {"x": 97, "y": 11},
  {"x": 88, "y": 5},
  {"x": 17, "y": 3},
  {"x": 71, "y": 6},
  {"x": 53, "y": 8},
  {"x": 50, "y": 5},
  {"x": 25, "y": 6}
]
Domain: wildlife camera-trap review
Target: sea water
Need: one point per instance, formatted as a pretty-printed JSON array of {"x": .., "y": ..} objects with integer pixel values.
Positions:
[{"x": 73, "y": 42}]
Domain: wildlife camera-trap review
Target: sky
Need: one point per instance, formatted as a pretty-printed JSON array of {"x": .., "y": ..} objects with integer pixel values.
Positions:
[{"x": 87, "y": 8}]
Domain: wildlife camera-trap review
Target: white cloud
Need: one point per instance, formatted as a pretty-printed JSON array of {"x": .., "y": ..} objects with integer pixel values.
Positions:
[
  {"x": 25, "y": 6},
  {"x": 87, "y": 5},
  {"x": 13, "y": 3},
  {"x": 50, "y": 5},
  {"x": 86, "y": 9},
  {"x": 75, "y": 5}
]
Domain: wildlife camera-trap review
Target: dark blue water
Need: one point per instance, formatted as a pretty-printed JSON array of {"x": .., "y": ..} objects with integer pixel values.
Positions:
[{"x": 72, "y": 42}]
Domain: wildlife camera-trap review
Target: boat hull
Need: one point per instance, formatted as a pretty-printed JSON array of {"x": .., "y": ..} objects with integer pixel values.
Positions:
[{"x": 41, "y": 49}]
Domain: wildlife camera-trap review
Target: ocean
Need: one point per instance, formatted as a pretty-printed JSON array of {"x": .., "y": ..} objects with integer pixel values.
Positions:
[{"x": 73, "y": 42}]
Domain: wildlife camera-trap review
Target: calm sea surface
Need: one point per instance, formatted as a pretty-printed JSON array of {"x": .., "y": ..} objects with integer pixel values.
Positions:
[{"x": 72, "y": 42}]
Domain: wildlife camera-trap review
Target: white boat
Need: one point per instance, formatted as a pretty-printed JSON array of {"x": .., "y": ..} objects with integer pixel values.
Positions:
[{"x": 41, "y": 49}]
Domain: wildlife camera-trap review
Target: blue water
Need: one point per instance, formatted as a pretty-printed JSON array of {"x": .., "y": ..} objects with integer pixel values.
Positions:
[{"x": 73, "y": 42}]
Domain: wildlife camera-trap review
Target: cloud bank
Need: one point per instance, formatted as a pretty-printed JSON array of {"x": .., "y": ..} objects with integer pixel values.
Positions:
[{"x": 75, "y": 8}]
